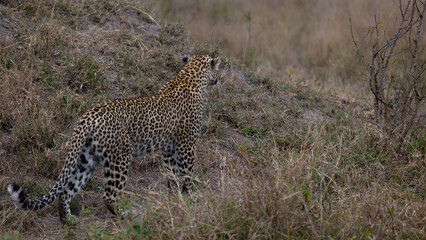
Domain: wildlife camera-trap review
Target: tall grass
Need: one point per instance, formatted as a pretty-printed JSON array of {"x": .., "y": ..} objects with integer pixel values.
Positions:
[{"x": 278, "y": 35}]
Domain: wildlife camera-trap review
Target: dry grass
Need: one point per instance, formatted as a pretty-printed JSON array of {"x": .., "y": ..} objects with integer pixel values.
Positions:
[
  {"x": 276, "y": 159},
  {"x": 278, "y": 35}
]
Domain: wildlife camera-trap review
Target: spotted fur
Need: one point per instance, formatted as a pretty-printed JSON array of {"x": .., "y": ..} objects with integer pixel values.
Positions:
[{"x": 111, "y": 133}]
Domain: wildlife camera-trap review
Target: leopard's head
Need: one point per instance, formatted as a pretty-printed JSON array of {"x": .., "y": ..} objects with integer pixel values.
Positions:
[{"x": 206, "y": 66}]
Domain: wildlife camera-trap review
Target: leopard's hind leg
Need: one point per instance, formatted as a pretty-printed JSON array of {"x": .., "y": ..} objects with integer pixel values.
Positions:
[
  {"x": 116, "y": 169},
  {"x": 90, "y": 156},
  {"x": 115, "y": 178}
]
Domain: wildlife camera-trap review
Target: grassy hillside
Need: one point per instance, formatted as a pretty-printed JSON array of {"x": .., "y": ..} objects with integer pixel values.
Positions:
[{"x": 277, "y": 158}]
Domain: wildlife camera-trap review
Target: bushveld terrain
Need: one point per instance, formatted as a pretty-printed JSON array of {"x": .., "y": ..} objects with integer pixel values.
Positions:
[{"x": 279, "y": 156}]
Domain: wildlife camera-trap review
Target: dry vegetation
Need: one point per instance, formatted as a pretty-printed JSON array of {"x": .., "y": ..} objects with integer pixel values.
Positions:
[
  {"x": 277, "y": 158},
  {"x": 278, "y": 35}
]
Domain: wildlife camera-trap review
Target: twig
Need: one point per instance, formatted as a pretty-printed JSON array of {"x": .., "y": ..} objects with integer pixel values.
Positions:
[
  {"x": 132, "y": 193},
  {"x": 52, "y": 12},
  {"x": 361, "y": 118},
  {"x": 419, "y": 29},
  {"x": 149, "y": 16}
]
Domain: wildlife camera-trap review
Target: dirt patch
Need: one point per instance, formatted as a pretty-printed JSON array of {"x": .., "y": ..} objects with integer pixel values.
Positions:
[
  {"x": 146, "y": 174},
  {"x": 311, "y": 116},
  {"x": 6, "y": 31},
  {"x": 132, "y": 21},
  {"x": 238, "y": 75}
]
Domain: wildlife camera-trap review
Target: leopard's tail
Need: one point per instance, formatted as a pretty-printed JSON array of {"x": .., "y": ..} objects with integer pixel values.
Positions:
[{"x": 20, "y": 199}]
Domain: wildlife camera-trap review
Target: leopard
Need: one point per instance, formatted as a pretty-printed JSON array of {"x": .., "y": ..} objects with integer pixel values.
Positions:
[{"x": 112, "y": 133}]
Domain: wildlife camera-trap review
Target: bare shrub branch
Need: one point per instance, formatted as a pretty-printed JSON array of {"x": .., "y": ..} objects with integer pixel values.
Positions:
[{"x": 394, "y": 71}]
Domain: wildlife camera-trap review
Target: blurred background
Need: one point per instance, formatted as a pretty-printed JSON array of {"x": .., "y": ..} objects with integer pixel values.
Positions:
[{"x": 282, "y": 34}]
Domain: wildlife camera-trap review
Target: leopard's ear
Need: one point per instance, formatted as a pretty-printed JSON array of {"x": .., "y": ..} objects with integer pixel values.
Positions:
[
  {"x": 215, "y": 63},
  {"x": 185, "y": 58}
]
